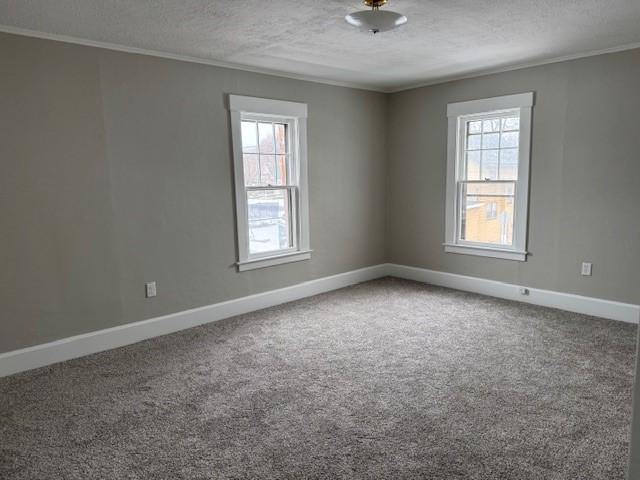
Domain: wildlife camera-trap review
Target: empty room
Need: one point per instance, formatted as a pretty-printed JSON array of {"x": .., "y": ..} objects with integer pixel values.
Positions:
[{"x": 302, "y": 239}]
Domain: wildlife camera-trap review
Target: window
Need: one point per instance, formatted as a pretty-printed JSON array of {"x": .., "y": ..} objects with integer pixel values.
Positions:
[
  {"x": 488, "y": 176},
  {"x": 269, "y": 149}
]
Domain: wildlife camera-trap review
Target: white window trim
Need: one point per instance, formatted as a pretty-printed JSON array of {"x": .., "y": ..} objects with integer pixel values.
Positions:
[
  {"x": 457, "y": 113},
  {"x": 291, "y": 111}
]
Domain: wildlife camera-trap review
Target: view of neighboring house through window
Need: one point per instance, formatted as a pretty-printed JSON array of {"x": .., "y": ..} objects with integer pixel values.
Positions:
[
  {"x": 269, "y": 139},
  {"x": 487, "y": 176}
]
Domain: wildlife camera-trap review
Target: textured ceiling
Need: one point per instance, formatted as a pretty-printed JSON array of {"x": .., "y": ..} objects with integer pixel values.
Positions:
[{"x": 443, "y": 39}]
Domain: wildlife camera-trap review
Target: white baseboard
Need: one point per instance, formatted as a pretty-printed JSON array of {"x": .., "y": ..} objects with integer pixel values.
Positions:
[
  {"x": 624, "y": 312},
  {"x": 98, "y": 341},
  {"x": 93, "y": 342}
]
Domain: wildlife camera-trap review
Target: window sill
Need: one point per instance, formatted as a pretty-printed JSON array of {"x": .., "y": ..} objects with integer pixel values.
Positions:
[
  {"x": 486, "y": 252},
  {"x": 263, "y": 262}
]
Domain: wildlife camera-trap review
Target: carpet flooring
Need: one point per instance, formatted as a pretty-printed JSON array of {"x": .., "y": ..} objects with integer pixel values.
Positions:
[{"x": 389, "y": 379}]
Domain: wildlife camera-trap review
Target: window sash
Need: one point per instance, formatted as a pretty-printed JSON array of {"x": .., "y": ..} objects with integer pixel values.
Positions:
[
  {"x": 291, "y": 154},
  {"x": 292, "y": 198},
  {"x": 462, "y": 149},
  {"x": 459, "y": 205}
]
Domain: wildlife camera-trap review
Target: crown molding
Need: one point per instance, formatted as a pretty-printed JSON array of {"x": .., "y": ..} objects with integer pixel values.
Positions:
[
  {"x": 520, "y": 66},
  {"x": 182, "y": 58},
  {"x": 306, "y": 78}
]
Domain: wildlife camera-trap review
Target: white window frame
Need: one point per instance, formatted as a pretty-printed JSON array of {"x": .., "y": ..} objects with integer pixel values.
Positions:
[
  {"x": 459, "y": 113},
  {"x": 295, "y": 116}
]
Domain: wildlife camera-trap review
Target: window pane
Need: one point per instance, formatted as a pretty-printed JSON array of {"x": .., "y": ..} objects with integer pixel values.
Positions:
[
  {"x": 486, "y": 218},
  {"x": 269, "y": 220},
  {"x": 273, "y": 170},
  {"x": 511, "y": 123},
  {"x": 281, "y": 137},
  {"x": 473, "y": 142},
  {"x": 281, "y": 170},
  {"x": 489, "y": 164},
  {"x": 510, "y": 139},
  {"x": 475, "y": 127},
  {"x": 509, "y": 164},
  {"x": 251, "y": 169},
  {"x": 268, "y": 170},
  {"x": 249, "y": 137},
  {"x": 491, "y": 140},
  {"x": 265, "y": 135},
  {"x": 473, "y": 165},
  {"x": 491, "y": 125}
]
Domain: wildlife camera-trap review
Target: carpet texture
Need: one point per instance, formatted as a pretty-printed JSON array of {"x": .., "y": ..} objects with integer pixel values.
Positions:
[{"x": 389, "y": 379}]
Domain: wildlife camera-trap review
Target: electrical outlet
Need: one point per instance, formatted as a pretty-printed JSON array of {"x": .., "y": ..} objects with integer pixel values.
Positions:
[
  {"x": 586, "y": 269},
  {"x": 150, "y": 289}
]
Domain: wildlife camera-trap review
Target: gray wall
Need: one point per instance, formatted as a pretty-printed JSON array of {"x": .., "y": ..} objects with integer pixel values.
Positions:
[
  {"x": 116, "y": 169},
  {"x": 585, "y": 176}
]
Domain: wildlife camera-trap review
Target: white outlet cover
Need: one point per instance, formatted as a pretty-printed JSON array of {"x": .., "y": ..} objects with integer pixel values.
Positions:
[
  {"x": 150, "y": 289},
  {"x": 586, "y": 269}
]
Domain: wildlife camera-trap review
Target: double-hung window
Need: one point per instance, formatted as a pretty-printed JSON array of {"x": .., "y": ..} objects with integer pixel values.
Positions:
[
  {"x": 270, "y": 170},
  {"x": 488, "y": 176}
]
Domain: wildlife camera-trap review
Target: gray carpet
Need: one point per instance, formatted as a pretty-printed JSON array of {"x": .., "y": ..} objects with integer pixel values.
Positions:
[{"x": 389, "y": 379}]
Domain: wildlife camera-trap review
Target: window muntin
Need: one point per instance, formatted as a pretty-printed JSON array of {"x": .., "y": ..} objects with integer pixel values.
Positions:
[{"x": 488, "y": 174}]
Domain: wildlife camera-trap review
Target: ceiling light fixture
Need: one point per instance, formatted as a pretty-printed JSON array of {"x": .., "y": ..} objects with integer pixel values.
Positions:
[{"x": 375, "y": 20}]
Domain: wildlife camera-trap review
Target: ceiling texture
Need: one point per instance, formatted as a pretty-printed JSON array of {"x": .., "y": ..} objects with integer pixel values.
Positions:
[{"x": 444, "y": 39}]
